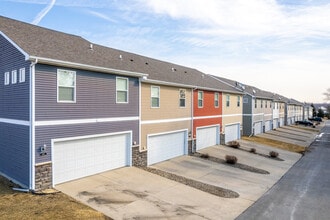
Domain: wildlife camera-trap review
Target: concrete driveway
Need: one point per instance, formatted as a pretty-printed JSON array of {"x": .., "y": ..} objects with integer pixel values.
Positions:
[
  {"x": 292, "y": 134},
  {"x": 132, "y": 193}
]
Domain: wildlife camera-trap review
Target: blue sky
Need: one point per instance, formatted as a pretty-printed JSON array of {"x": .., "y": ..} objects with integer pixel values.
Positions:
[{"x": 280, "y": 46}]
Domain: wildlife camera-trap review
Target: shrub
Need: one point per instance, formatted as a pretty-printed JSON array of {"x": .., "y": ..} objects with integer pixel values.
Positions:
[
  {"x": 234, "y": 144},
  {"x": 231, "y": 159},
  {"x": 253, "y": 150},
  {"x": 273, "y": 154},
  {"x": 204, "y": 156}
]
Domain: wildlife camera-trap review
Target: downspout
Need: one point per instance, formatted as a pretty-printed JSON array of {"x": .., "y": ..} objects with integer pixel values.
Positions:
[
  {"x": 193, "y": 150},
  {"x": 32, "y": 124}
]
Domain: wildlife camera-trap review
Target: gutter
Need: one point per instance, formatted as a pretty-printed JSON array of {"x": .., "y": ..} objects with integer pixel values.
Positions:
[{"x": 85, "y": 66}]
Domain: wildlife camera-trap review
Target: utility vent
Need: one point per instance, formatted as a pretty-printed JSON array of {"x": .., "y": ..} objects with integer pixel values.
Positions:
[
  {"x": 147, "y": 63},
  {"x": 131, "y": 60},
  {"x": 120, "y": 57},
  {"x": 91, "y": 46},
  {"x": 173, "y": 69}
]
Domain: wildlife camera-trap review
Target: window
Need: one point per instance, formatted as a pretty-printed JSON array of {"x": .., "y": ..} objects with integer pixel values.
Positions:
[
  {"x": 216, "y": 99},
  {"x": 238, "y": 101},
  {"x": 13, "y": 76},
  {"x": 155, "y": 96},
  {"x": 270, "y": 104},
  {"x": 227, "y": 100},
  {"x": 255, "y": 103},
  {"x": 266, "y": 104},
  {"x": 66, "y": 86},
  {"x": 121, "y": 90},
  {"x": 261, "y": 103},
  {"x": 22, "y": 75},
  {"x": 7, "y": 78},
  {"x": 182, "y": 97},
  {"x": 200, "y": 99}
]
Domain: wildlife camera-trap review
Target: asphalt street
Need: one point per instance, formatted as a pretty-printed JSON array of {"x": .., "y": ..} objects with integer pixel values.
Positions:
[{"x": 304, "y": 191}]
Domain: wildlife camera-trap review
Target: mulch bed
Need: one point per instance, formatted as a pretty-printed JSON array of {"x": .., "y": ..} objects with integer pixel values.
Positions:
[
  {"x": 237, "y": 165},
  {"x": 214, "y": 190}
]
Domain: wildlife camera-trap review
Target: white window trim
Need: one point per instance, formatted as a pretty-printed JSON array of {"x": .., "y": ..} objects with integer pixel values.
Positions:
[
  {"x": 14, "y": 77},
  {"x": 75, "y": 87},
  {"x": 22, "y": 75},
  {"x": 200, "y": 99},
  {"x": 127, "y": 84},
  {"x": 228, "y": 100},
  {"x": 6, "y": 78},
  {"x": 185, "y": 92},
  {"x": 216, "y": 98},
  {"x": 155, "y": 97}
]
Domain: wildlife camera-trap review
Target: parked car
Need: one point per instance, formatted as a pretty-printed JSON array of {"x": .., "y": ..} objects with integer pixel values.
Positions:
[
  {"x": 319, "y": 119},
  {"x": 305, "y": 122}
]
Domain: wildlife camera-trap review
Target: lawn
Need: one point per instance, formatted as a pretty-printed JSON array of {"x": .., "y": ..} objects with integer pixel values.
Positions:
[
  {"x": 20, "y": 205},
  {"x": 275, "y": 143}
]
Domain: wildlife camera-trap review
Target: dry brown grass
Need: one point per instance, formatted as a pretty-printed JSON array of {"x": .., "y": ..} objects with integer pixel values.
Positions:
[
  {"x": 275, "y": 143},
  {"x": 20, "y": 205}
]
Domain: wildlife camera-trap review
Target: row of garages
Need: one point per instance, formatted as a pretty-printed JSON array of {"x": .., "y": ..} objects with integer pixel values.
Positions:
[{"x": 78, "y": 157}]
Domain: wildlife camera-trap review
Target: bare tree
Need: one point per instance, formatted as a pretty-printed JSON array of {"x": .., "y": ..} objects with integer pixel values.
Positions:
[{"x": 327, "y": 95}]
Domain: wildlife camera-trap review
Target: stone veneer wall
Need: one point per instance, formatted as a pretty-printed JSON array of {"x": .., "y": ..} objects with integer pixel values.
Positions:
[
  {"x": 139, "y": 159},
  {"x": 43, "y": 176}
]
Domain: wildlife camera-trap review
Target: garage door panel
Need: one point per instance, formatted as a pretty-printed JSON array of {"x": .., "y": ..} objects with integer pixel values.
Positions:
[
  {"x": 258, "y": 128},
  {"x": 78, "y": 158},
  {"x": 166, "y": 146},
  {"x": 232, "y": 132},
  {"x": 267, "y": 125},
  {"x": 207, "y": 136}
]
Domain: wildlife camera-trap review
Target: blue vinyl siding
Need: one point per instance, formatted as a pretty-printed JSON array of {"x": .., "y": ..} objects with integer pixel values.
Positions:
[
  {"x": 247, "y": 115},
  {"x": 14, "y": 152},
  {"x": 14, "y": 98},
  {"x": 44, "y": 134},
  {"x": 95, "y": 96}
]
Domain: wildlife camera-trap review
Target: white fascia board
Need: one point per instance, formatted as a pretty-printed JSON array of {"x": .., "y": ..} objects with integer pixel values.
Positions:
[
  {"x": 158, "y": 82},
  {"x": 26, "y": 55},
  {"x": 86, "y": 67}
]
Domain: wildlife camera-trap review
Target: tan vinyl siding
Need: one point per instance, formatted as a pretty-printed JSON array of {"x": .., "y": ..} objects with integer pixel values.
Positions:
[
  {"x": 169, "y": 107},
  {"x": 233, "y": 113},
  {"x": 172, "y": 115}
]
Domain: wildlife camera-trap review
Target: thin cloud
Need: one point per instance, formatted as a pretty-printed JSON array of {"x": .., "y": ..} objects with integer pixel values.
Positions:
[
  {"x": 102, "y": 16},
  {"x": 43, "y": 13}
]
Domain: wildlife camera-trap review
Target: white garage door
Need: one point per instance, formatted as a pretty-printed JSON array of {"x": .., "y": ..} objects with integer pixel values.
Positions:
[
  {"x": 281, "y": 122},
  {"x": 207, "y": 136},
  {"x": 268, "y": 126},
  {"x": 232, "y": 132},
  {"x": 257, "y": 128},
  {"x": 275, "y": 123},
  {"x": 166, "y": 146},
  {"x": 85, "y": 156}
]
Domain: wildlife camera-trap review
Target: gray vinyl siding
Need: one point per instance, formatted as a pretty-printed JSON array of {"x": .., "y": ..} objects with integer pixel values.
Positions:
[
  {"x": 44, "y": 134},
  {"x": 14, "y": 152},
  {"x": 14, "y": 98},
  {"x": 95, "y": 96},
  {"x": 247, "y": 115}
]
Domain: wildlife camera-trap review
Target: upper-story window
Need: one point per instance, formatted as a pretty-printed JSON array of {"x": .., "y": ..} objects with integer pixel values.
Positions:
[
  {"x": 14, "y": 77},
  {"x": 270, "y": 104},
  {"x": 227, "y": 100},
  {"x": 121, "y": 90},
  {"x": 155, "y": 96},
  {"x": 238, "y": 101},
  {"x": 200, "y": 99},
  {"x": 266, "y": 104},
  {"x": 6, "y": 78},
  {"x": 261, "y": 103},
  {"x": 66, "y": 85},
  {"x": 216, "y": 99},
  {"x": 182, "y": 97},
  {"x": 255, "y": 103},
  {"x": 22, "y": 75}
]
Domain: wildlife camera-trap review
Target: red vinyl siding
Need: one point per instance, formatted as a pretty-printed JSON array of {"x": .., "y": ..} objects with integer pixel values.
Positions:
[{"x": 208, "y": 109}]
